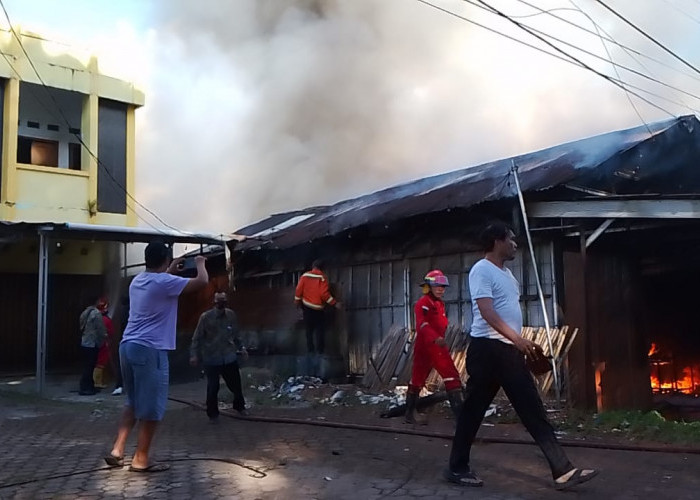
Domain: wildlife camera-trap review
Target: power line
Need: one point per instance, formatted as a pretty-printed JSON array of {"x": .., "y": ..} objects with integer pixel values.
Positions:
[
  {"x": 607, "y": 51},
  {"x": 77, "y": 136},
  {"x": 605, "y": 47},
  {"x": 608, "y": 39},
  {"x": 599, "y": 28},
  {"x": 608, "y": 60},
  {"x": 675, "y": 7},
  {"x": 566, "y": 58},
  {"x": 652, "y": 39},
  {"x": 581, "y": 63}
]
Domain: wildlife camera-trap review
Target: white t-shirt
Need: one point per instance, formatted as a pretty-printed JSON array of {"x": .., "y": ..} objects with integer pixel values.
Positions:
[
  {"x": 488, "y": 281},
  {"x": 153, "y": 309}
]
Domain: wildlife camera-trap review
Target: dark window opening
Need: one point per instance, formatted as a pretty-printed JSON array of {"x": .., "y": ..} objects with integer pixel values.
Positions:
[
  {"x": 37, "y": 151},
  {"x": 74, "y": 151},
  {"x": 53, "y": 128},
  {"x": 75, "y": 131},
  {"x": 31, "y": 124}
]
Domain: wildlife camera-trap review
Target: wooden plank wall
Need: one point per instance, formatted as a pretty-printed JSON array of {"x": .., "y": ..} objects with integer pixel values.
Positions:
[{"x": 618, "y": 346}]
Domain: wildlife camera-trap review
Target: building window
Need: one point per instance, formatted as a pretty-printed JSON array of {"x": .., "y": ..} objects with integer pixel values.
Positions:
[
  {"x": 74, "y": 156},
  {"x": 48, "y": 119},
  {"x": 37, "y": 151}
]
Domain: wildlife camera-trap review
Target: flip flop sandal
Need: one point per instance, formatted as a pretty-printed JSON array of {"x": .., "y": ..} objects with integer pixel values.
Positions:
[
  {"x": 577, "y": 477},
  {"x": 150, "y": 468},
  {"x": 113, "y": 461}
]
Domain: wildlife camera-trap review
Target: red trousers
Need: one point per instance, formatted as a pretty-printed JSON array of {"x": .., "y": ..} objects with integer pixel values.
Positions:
[{"x": 428, "y": 355}]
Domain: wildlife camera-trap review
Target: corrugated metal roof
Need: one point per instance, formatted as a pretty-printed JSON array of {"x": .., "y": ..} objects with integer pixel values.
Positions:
[{"x": 653, "y": 158}]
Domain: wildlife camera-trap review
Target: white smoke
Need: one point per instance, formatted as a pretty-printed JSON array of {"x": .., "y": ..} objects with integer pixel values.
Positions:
[{"x": 260, "y": 106}]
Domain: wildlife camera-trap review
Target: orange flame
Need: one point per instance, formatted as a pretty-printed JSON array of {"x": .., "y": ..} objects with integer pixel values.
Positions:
[
  {"x": 687, "y": 382},
  {"x": 653, "y": 349}
]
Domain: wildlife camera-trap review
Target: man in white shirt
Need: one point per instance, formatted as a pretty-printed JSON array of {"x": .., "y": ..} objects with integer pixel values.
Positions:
[{"x": 496, "y": 358}]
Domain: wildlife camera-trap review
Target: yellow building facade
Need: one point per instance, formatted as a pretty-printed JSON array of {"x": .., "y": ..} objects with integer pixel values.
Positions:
[{"x": 67, "y": 136}]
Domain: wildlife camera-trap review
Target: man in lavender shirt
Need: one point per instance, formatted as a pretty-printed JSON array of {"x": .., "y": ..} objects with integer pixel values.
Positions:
[{"x": 143, "y": 352}]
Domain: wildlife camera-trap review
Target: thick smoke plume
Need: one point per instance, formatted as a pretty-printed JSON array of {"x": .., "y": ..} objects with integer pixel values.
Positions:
[{"x": 261, "y": 106}]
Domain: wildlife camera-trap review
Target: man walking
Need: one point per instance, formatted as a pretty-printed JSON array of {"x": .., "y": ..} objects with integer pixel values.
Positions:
[
  {"x": 143, "y": 351},
  {"x": 93, "y": 335},
  {"x": 215, "y": 342},
  {"x": 496, "y": 358}
]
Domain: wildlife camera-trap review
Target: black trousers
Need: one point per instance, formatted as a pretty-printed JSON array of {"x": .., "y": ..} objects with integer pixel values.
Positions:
[
  {"x": 493, "y": 364},
  {"x": 232, "y": 377},
  {"x": 116, "y": 368},
  {"x": 87, "y": 384},
  {"x": 315, "y": 321}
]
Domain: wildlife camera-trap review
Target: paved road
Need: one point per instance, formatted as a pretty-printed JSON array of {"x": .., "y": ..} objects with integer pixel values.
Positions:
[{"x": 55, "y": 450}]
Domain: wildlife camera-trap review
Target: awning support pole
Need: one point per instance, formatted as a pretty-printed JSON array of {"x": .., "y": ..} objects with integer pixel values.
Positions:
[
  {"x": 43, "y": 278},
  {"x": 557, "y": 386}
]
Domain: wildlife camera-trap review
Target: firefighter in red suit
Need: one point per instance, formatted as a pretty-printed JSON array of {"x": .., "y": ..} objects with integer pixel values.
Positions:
[{"x": 430, "y": 350}]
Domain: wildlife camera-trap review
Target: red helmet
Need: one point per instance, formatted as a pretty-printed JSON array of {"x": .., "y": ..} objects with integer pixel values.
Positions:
[{"x": 436, "y": 278}]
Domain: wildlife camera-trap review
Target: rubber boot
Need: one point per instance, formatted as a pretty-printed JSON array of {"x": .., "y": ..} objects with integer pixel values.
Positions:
[
  {"x": 412, "y": 417},
  {"x": 98, "y": 377},
  {"x": 456, "y": 399}
]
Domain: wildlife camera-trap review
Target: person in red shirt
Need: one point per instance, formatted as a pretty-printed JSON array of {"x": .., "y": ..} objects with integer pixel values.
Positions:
[
  {"x": 430, "y": 350},
  {"x": 103, "y": 355},
  {"x": 312, "y": 296}
]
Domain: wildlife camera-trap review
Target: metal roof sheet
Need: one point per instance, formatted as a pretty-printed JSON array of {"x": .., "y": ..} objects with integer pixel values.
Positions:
[{"x": 632, "y": 161}]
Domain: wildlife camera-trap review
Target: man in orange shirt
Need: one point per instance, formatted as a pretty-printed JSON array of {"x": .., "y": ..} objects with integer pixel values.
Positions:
[{"x": 312, "y": 296}]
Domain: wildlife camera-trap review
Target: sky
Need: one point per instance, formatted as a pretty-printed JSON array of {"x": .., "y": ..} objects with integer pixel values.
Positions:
[{"x": 255, "y": 107}]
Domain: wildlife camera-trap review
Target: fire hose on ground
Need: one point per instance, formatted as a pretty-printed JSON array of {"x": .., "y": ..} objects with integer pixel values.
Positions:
[{"x": 444, "y": 435}]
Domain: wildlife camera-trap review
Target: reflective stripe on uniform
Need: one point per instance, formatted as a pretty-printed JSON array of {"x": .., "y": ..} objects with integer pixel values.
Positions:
[
  {"x": 311, "y": 275},
  {"x": 312, "y": 306}
]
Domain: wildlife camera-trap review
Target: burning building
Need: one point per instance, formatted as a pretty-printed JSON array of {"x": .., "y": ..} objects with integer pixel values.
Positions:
[{"x": 614, "y": 221}]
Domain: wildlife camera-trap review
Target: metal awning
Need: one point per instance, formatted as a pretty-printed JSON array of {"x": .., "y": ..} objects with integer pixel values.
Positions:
[
  {"x": 122, "y": 234},
  {"x": 52, "y": 230}
]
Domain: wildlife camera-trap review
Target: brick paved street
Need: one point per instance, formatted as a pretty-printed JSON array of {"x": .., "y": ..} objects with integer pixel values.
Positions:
[{"x": 54, "y": 450}]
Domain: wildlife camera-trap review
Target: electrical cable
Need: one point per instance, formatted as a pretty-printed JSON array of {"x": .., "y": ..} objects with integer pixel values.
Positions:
[
  {"x": 649, "y": 37},
  {"x": 609, "y": 39},
  {"x": 608, "y": 60},
  {"x": 629, "y": 53},
  {"x": 567, "y": 58},
  {"x": 581, "y": 63},
  {"x": 678, "y": 9},
  {"x": 605, "y": 47}
]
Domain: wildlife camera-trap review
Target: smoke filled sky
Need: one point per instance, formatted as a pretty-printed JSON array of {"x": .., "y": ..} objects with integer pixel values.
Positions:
[{"x": 255, "y": 107}]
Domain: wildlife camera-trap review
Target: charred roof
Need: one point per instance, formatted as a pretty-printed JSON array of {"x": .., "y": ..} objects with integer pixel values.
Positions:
[{"x": 655, "y": 159}]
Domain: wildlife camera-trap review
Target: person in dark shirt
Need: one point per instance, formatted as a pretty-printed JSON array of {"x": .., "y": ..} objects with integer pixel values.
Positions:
[{"x": 216, "y": 345}]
